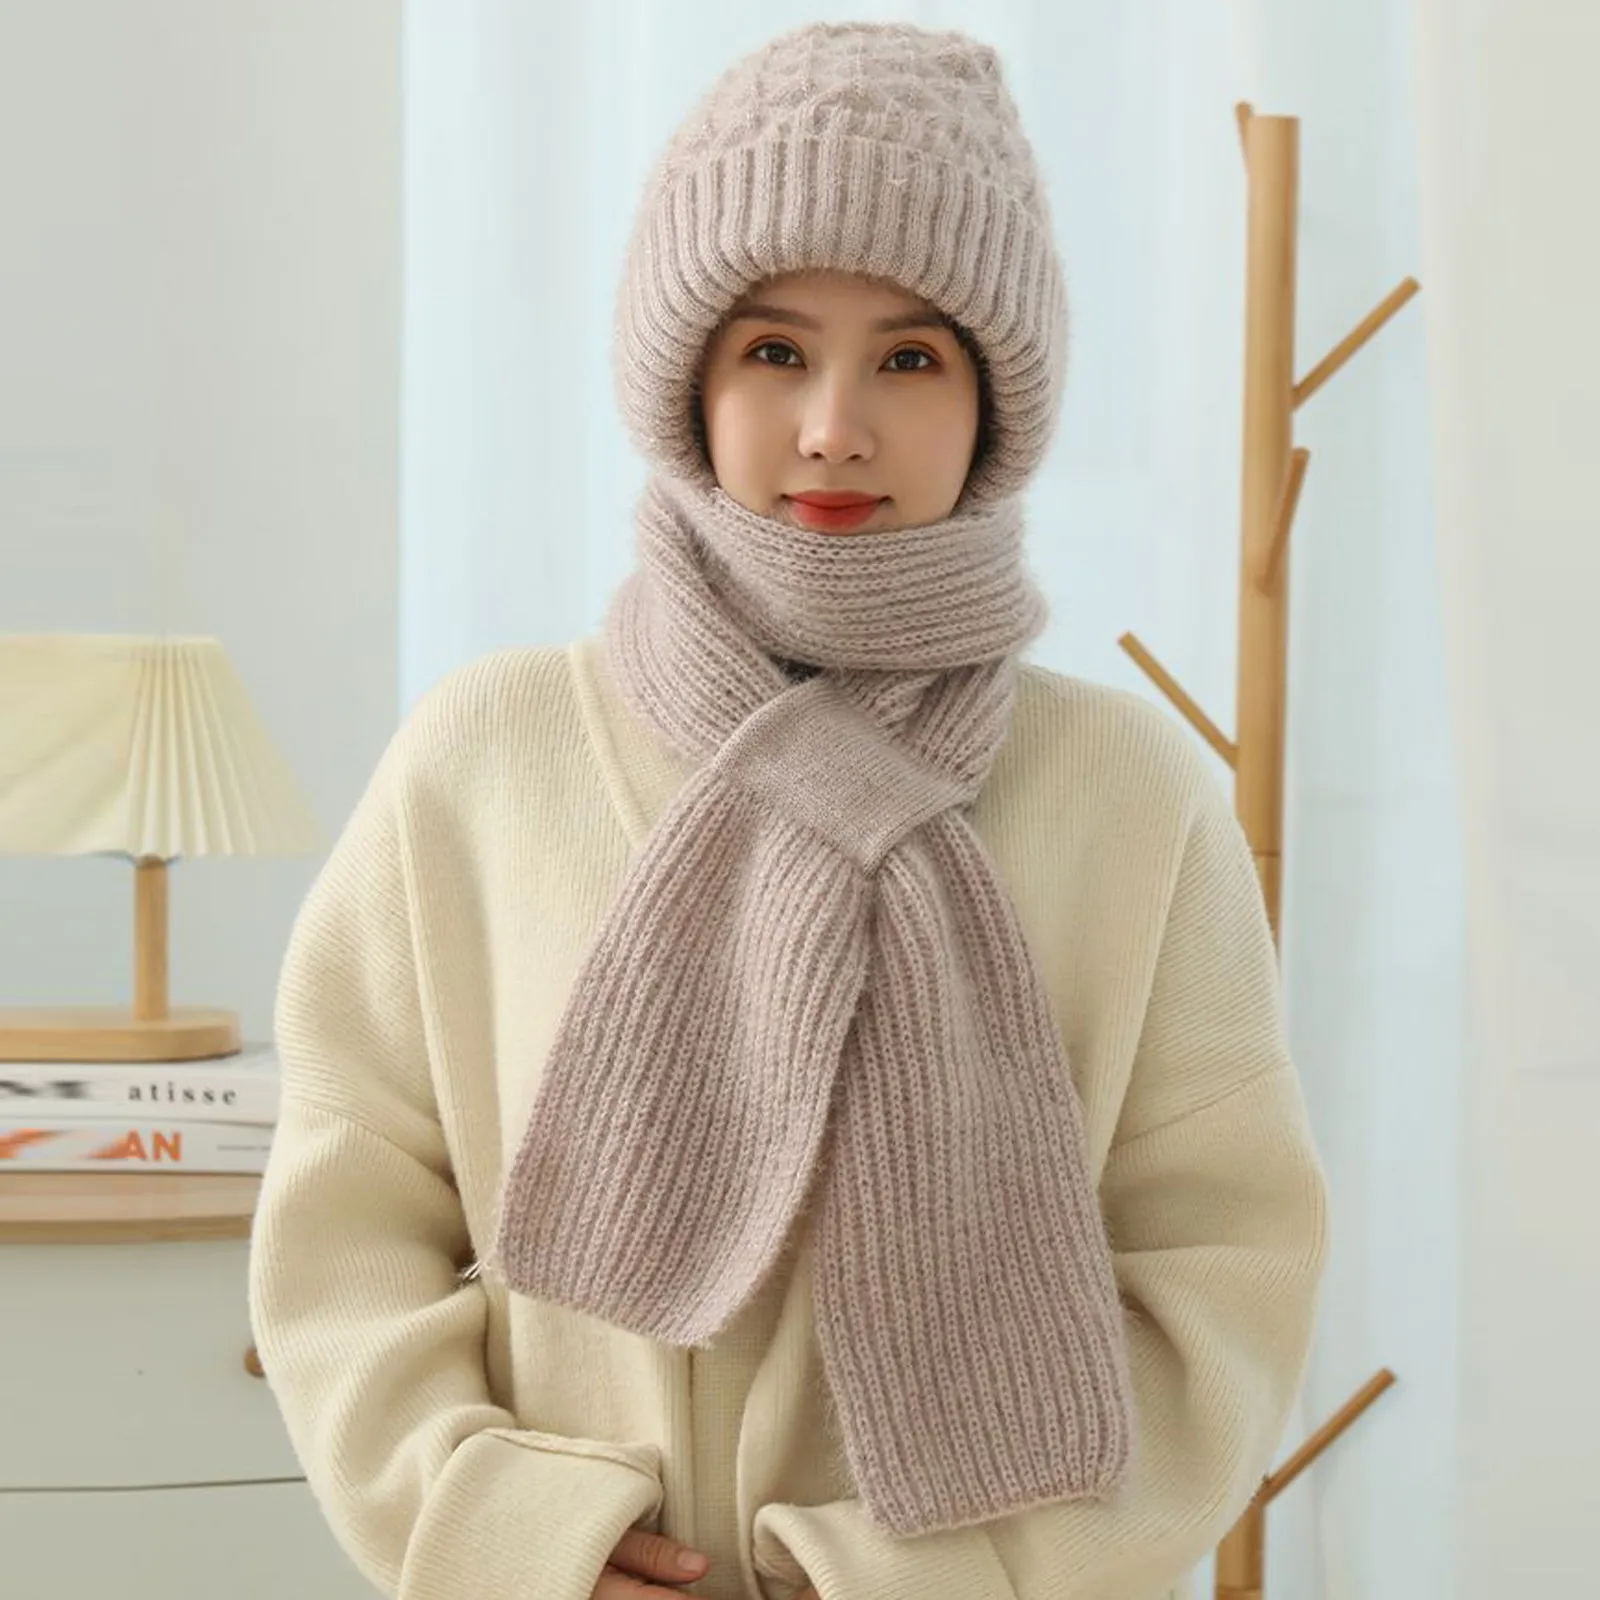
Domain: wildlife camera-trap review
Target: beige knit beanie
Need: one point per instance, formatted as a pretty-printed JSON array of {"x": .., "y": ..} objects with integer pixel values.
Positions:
[{"x": 875, "y": 148}]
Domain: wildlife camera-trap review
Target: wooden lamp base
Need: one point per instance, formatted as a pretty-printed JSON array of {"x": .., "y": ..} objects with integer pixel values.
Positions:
[
  {"x": 114, "y": 1033},
  {"x": 148, "y": 1030}
]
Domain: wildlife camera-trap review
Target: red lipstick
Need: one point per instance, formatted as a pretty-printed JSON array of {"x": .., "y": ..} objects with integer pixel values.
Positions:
[{"x": 833, "y": 510}]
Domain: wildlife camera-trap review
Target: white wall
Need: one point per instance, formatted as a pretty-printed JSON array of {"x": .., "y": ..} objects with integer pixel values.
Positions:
[{"x": 199, "y": 394}]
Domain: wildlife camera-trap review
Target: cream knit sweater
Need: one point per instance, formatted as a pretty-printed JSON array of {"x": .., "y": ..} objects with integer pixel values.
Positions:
[{"x": 466, "y": 1443}]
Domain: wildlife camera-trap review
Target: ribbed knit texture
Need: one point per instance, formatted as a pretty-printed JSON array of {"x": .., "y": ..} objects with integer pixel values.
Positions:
[
  {"x": 815, "y": 925},
  {"x": 814, "y": 981}
]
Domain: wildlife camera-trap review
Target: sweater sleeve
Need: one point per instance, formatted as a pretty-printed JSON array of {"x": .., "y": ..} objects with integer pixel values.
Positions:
[
  {"x": 1214, "y": 1198},
  {"x": 369, "y": 1335}
]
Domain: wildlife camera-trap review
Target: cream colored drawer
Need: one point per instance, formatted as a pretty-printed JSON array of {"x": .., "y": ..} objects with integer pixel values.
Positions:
[
  {"x": 123, "y": 1364},
  {"x": 256, "y": 1541}
]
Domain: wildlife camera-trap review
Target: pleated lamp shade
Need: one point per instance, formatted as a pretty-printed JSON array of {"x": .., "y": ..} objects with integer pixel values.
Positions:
[{"x": 148, "y": 748}]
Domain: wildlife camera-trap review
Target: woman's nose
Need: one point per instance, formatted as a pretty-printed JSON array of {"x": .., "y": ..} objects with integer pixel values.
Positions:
[{"x": 834, "y": 424}]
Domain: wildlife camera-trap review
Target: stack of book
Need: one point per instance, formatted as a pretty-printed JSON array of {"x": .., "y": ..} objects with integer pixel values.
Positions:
[{"x": 164, "y": 1116}]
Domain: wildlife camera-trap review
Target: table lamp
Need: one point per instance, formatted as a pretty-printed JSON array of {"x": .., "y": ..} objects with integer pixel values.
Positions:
[{"x": 148, "y": 749}]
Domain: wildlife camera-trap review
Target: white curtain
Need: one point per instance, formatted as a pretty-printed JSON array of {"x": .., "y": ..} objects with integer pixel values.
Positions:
[
  {"x": 529, "y": 130},
  {"x": 1510, "y": 135}
]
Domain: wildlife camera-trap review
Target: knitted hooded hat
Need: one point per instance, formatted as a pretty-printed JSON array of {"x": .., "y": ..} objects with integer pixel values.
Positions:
[
  {"x": 812, "y": 986},
  {"x": 885, "y": 150}
]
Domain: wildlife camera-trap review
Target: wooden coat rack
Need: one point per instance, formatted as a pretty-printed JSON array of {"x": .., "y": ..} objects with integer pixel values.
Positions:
[{"x": 1274, "y": 470}]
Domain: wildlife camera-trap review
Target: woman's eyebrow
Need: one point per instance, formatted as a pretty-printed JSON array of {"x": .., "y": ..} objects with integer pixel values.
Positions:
[{"x": 757, "y": 312}]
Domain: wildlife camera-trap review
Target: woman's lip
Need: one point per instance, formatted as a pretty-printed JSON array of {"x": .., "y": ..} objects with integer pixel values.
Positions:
[{"x": 832, "y": 519}]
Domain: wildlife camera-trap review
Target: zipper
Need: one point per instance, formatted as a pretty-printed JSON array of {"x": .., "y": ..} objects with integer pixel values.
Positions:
[{"x": 691, "y": 1535}]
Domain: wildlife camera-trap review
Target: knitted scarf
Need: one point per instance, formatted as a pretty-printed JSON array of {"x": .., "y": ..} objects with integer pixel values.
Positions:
[{"x": 813, "y": 989}]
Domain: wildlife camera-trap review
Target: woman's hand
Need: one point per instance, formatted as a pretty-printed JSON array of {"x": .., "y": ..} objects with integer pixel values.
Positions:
[{"x": 646, "y": 1555}]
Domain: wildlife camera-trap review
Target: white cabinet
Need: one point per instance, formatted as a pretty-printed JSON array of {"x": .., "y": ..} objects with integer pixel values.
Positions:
[
  {"x": 139, "y": 1458},
  {"x": 124, "y": 1366}
]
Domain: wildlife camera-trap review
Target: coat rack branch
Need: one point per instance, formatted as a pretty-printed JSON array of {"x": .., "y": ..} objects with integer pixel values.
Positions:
[
  {"x": 1173, "y": 690},
  {"x": 1354, "y": 340},
  {"x": 1336, "y": 1425},
  {"x": 1288, "y": 502}
]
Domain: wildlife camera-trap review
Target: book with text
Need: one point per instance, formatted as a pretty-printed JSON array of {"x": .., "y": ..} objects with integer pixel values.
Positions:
[
  {"x": 237, "y": 1088},
  {"x": 71, "y": 1144}
]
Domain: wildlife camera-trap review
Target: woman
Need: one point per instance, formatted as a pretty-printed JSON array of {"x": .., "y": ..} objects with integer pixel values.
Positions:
[{"x": 785, "y": 1079}]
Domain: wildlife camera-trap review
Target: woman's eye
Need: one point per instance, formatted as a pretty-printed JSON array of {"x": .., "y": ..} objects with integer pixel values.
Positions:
[{"x": 775, "y": 353}]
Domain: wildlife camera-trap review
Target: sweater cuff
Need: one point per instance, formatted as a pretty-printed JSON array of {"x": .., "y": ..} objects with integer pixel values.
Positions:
[
  {"x": 846, "y": 1556},
  {"x": 517, "y": 1514}
]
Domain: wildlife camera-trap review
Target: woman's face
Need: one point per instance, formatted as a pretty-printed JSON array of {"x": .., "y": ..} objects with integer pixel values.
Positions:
[{"x": 826, "y": 381}]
